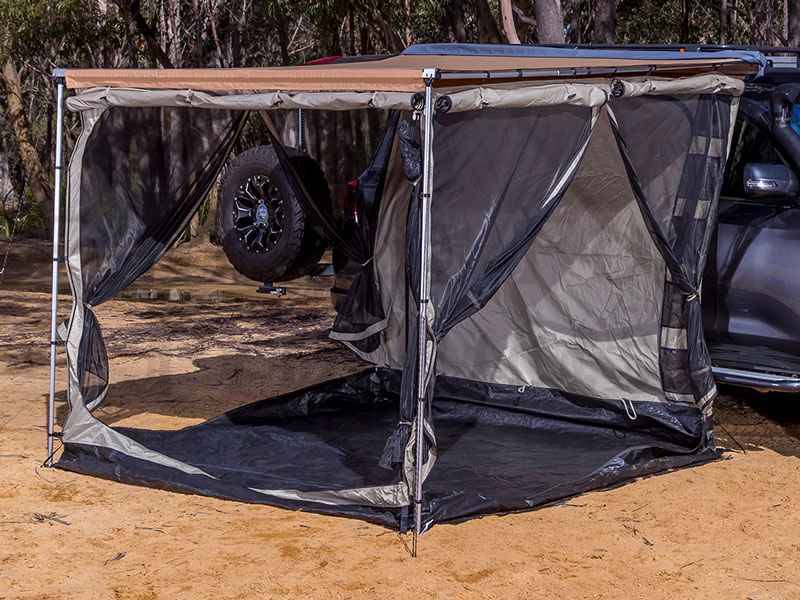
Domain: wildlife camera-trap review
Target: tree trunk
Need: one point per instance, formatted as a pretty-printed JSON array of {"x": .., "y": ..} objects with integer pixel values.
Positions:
[
  {"x": 459, "y": 22},
  {"x": 605, "y": 17},
  {"x": 762, "y": 23},
  {"x": 794, "y": 22},
  {"x": 283, "y": 38},
  {"x": 174, "y": 32},
  {"x": 684, "y": 37},
  {"x": 31, "y": 161},
  {"x": 133, "y": 11},
  {"x": 723, "y": 21},
  {"x": 549, "y": 22},
  {"x": 408, "y": 23},
  {"x": 7, "y": 187},
  {"x": 508, "y": 22},
  {"x": 575, "y": 35},
  {"x": 199, "y": 55},
  {"x": 488, "y": 33}
]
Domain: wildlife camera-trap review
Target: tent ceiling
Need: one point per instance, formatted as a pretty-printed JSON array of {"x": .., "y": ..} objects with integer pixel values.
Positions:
[{"x": 402, "y": 73}]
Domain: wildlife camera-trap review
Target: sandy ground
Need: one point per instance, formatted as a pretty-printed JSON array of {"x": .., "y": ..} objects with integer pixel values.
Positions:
[{"x": 728, "y": 529}]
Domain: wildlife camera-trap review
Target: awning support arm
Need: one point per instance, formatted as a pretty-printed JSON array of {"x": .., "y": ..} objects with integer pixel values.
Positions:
[
  {"x": 422, "y": 322},
  {"x": 51, "y": 404}
]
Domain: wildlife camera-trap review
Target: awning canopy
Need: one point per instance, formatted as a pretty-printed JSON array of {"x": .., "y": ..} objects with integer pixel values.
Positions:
[
  {"x": 530, "y": 269},
  {"x": 453, "y": 64}
]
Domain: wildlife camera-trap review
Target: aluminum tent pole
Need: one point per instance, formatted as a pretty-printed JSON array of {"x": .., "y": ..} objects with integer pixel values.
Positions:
[
  {"x": 422, "y": 333},
  {"x": 51, "y": 405}
]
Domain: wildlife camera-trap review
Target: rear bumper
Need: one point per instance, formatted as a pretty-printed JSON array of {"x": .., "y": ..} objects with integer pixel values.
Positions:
[{"x": 763, "y": 381}]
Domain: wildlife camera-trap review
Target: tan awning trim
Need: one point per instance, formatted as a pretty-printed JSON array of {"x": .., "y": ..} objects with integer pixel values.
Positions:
[{"x": 304, "y": 78}]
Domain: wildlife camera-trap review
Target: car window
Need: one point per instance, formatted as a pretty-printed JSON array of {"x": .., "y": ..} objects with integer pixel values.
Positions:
[{"x": 750, "y": 145}]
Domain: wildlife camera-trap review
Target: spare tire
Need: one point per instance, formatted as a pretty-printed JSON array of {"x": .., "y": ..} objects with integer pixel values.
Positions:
[{"x": 264, "y": 232}]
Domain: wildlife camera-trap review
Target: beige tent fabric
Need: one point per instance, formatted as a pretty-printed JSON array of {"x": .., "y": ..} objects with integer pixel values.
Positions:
[
  {"x": 401, "y": 73},
  {"x": 510, "y": 95},
  {"x": 108, "y": 97}
]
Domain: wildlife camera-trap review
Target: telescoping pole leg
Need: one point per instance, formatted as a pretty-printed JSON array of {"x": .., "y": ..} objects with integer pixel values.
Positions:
[
  {"x": 51, "y": 405},
  {"x": 423, "y": 306}
]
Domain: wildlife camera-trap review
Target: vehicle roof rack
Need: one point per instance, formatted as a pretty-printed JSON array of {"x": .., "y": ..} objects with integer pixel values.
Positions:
[{"x": 778, "y": 57}]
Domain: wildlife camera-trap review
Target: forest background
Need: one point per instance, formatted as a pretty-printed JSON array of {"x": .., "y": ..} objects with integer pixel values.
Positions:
[{"x": 39, "y": 35}]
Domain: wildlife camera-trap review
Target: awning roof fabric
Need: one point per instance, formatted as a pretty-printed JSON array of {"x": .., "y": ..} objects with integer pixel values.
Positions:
[{"x": 456, "y": 64}]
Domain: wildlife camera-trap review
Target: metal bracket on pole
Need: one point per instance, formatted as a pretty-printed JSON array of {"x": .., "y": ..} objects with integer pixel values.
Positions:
[
  {"x": 422, "y": 333},
  {"x": 54, "y": 341}
]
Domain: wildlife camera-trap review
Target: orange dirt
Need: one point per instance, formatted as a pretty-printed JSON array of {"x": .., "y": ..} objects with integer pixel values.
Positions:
[{"x": 728, "y": 529}]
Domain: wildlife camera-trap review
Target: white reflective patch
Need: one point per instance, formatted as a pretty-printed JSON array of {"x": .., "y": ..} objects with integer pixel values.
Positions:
[
  {"x": 673, "y": 338},
  {"x": 391, "y": 496},
  {"x": 706, "y": 403},
  {"x": 711, "y": 147},
  {"x": 703, "y": 209},
  {"x": 679, "y": 398},
  {"x": 680, "y": 205}
]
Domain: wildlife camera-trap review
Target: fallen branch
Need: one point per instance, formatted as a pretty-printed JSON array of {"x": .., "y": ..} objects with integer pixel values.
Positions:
[
  {"x": 51, "y": 517},
  {"x": 121, "y": 354}
]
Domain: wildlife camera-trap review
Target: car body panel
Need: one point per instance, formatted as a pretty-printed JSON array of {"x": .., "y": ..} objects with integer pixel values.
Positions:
[{"x": 751, "y": 284}]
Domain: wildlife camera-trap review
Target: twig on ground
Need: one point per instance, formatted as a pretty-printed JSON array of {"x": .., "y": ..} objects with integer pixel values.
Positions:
[
  {"x": 405, "y": 543},
  {"x": 117, "y": 556},
  {"x": 694, "y": 562},
  {"x": 36, "y": 469},
  {"x": 211, "y": 508},
  {"x": 638, "y": 533}
]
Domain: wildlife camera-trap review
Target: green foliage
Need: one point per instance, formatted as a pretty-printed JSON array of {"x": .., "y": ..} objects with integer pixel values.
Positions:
[
  {"x": 67, "y": 30},
  {"x": 21, "y": 221}
]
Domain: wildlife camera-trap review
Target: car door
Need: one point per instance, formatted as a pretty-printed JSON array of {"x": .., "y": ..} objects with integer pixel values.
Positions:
[{"x": 751, "y": 289}]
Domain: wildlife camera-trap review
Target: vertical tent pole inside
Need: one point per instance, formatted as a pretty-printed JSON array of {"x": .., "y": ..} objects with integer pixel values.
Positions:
[
  {"x": 422, "y": 323},
  {"x": 54, "y": 292}
]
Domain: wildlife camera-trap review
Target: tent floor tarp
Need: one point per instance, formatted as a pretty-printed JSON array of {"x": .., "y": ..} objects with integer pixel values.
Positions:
[{"x": 499, "y": 449}]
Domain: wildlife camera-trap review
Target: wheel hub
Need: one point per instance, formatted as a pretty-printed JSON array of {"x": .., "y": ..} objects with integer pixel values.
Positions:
[
  {"x": 258, "y": 214},
  {"x": 262, "y": 215}
]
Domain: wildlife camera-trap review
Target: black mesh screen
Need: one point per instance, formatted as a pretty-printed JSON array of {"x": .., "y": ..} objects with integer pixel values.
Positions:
[
  {"x": 499, "y": 173},
  {"x": 92, "y": 361},
  {"x": 145, "y": 172},
  {"x": 674, "y": 150}
]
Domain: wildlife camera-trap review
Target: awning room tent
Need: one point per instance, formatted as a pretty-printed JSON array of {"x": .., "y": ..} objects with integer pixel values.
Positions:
[{"x": 532, "y": 235}]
